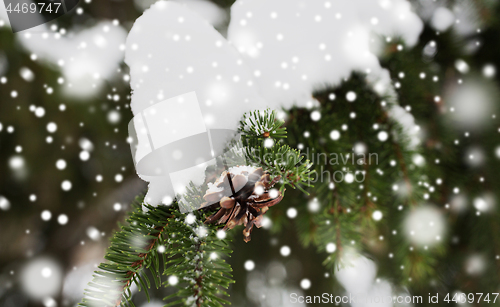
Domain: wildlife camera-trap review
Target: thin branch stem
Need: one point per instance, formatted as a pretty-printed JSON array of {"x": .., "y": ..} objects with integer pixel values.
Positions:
[{"x": 140, "y": 263}]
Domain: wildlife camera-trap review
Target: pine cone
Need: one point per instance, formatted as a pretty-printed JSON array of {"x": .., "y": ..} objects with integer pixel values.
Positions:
[{"x": 242, "y": 194}]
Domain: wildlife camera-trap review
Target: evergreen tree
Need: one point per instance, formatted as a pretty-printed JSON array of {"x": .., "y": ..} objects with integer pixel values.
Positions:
[{"x": 350, "y": 168}]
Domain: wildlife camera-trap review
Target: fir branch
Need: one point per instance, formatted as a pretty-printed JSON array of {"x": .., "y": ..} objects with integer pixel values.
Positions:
[
  {"x": 195, "y": 255},
  {"x": 257, "y": 126},
  {"x": 134, "y": 251},
  {"x": 260, "y": 134}
]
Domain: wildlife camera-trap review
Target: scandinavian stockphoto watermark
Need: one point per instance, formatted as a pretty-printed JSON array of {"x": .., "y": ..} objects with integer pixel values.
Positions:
[
  {"x": 26, "y": 14},
  {"x": 333, "y": 167}
]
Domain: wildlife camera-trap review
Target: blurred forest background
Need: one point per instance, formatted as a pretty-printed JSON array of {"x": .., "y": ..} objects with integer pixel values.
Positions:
[{"x": 66, "y": 172}]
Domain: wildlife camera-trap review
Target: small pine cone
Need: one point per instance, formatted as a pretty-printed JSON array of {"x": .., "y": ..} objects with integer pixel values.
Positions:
[{"x": 242, "y": 196}]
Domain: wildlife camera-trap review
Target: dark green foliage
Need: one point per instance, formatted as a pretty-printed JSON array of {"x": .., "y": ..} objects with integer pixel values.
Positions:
[
  {"x": 345, "y": 206},
  {"x": 280, "y": 160},
  {"x": 258, "y": 126},
  {"x": 449, "y": 143},
  {"x": 194, "y": 255},
  {"x": 134, "y": 252}
]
